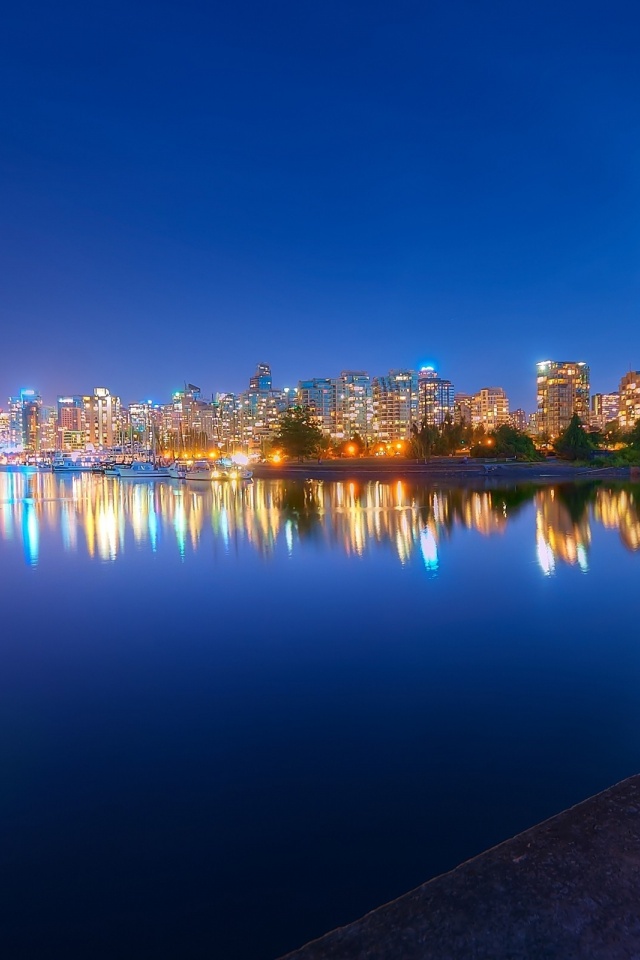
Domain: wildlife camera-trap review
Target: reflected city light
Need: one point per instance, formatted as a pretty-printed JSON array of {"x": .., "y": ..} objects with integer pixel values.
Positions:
[
  {"x": 106, "y": 517},
  {"x": 429, "y": 549}
]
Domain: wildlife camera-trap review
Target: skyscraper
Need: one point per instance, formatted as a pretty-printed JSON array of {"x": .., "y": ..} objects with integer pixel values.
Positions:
[
  {"x": 629, "y": 400},
  {"x": 320, "y": 394},
  {"x": 563, "y": 389},
  {"x": 354, "y": 404},
  {"x": 31, "y": 422},
  {"x": 261, "y": 381},
  {"x": 436, "y": 397},
  {"x": 394, "y": 404}
]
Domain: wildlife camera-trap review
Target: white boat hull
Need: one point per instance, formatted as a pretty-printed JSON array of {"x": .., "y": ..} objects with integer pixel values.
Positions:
[{"x": 142, "y": 471}]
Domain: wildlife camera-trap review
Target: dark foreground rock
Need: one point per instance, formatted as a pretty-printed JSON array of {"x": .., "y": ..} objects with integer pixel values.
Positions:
[{"x": 568, "y": 888}]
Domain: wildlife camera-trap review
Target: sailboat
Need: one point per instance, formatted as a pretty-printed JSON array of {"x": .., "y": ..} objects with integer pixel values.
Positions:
[{"x": 144, "y": 469}]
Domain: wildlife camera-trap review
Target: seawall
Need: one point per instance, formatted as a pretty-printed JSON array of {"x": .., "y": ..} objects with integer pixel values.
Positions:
[
  {"x": 446, "y": 469},
  {"x": 566, "y": 889}
]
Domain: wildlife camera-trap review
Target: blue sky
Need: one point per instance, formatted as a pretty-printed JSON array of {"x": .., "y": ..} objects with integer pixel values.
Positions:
[{"x": 190, "y": 188}]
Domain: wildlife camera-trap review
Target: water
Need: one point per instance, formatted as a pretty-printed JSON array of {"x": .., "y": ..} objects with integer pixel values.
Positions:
[{"x": 235, "y": 717}]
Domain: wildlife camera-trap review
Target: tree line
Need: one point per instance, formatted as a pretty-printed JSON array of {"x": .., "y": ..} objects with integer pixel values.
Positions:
[{"x": 299, "y": 437}]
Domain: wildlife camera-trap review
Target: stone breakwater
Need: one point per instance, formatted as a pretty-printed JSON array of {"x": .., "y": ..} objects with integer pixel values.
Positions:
[{"x": 567, "y": 889}]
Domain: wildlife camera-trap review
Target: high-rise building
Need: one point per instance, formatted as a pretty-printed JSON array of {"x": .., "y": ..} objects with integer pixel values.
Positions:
[
  {"x": 23, "y": 422},
  {"x": 463, "y": 408},
  {"x": 70, "y": 433},
  {"x": 262, "y": 406},
  {"x": 563, "y": 389},
  {"x": 490, "y": 408},
  {"x": 629, "y": 400},
  {"x": 31, "y": 405},
  {"x": 190, "y": 423},
  {"x": 604, "y": 409},
  {"x": 519, "y": 420},
  {"x": 436, "y": 397},
  {"x": 4, "y": 429},
  {"x": 355, "y": 408},
  {"x": 261, "y": 381},
  {"x": 14, "y": 413},
  {"x": 321, "y": 396},
  {"x": 102, "y": 418},
  {"x": 48, "y": 429},
  {"x": 394, "y": 402}
]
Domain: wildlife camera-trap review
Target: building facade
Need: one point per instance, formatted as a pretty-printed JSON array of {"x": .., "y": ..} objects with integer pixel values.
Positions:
[
  {"x": 629, "y": 400},
  {"x": 490, "y": 408},
  {"x": 394, "y": 405},
  {"x": 436, "y": 397},
  {"x": 562, "y": 389},
  {"x": 320, "y": 394},
  {"x": 355, "y": 405},
  {"x": 604, "y": 409},
  {"x": 103, "y": 422}
]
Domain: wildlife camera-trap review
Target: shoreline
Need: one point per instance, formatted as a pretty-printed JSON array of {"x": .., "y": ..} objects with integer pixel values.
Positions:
[{"x": 444, "y": 468}]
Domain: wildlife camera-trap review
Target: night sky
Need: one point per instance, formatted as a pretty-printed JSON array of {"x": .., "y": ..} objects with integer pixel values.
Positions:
[{"x": 189, "y": 188}]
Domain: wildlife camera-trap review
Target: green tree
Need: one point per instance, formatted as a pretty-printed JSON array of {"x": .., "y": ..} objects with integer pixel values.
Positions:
[
  {"x": 612, "y": 433},
  {"x": 574, "y": 443},
  {"x": 633, "y": 437},
  {"x": 298, "y": 433},
  {"x": 423, "y": 440},
  {"x": 450, "y": 437},
  {"x": 506, "y": 442}
]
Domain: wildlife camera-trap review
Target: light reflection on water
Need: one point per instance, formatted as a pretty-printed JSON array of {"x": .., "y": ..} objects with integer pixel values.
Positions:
[
  {"x": 106, "y": 517},
  {"x": 307, "y": 697}
]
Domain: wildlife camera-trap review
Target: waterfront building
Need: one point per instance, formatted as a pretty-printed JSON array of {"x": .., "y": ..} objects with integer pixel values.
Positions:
[
  {"x": 140, "y": 423},
  {"x": 463, "y": 408},
  {"x": 23, "y": 419},
  {"x": 436, "y": 397},
  {"x": 355, "y": 405},
  {"x": 102, "y": 419},
  {"x": 31, "y": 405},
  {"x": 48, "y": 429},
  {"x": 230, "y": 419},
  {"x": 518, "y": 419},
  {"x": 14, "y": 415},
  {"x": 604, "y": 409},
  {"x": 629, "y": 400},
  {"x": 191, "y": 424},
  {"x": 394, "y": 405},
  {"x": 490, "y": 408},
  {"x": 145, "y": 425},
  {"x": 321, "y": 396},
  {"x": 70, "y": 429},
  {"x": 563, "y": 389},
  {"x": 261, "y": 406},
  {"x": 4, "y": 429}
]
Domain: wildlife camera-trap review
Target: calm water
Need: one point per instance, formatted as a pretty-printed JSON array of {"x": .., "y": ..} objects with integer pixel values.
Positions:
[{"x": 234, "y": 717}]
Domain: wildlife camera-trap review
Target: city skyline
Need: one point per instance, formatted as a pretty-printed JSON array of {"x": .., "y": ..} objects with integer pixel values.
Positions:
[
  {"x": 139, "y": 395},
  {"x": 380, "y": 410},
  {"x": 377, "y": 179}
]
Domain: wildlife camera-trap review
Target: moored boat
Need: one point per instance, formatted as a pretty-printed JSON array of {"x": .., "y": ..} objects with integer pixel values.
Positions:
[
  {"x": 202, "y": 470},
  {"x": 142, "y": 470},
  {"x": 222, "y": 469},
  {"x": 63, "y": 463},
  {"x": 177, "y": 470}
]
